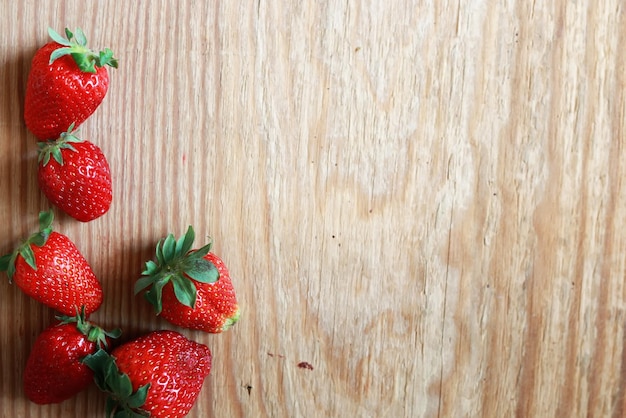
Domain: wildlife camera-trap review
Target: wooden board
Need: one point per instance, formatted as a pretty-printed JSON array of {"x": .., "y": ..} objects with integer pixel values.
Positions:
[{"x": 424, "y": 201}]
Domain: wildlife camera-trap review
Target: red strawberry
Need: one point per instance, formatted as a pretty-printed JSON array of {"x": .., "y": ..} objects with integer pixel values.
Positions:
[
  {"x": 159, "y": 375},
  {"x": 66, "y": 84},
  {"x": 191, "y": 289},
  {"x": 54, "y": 371},
  {"x": 77, "y": 179},
  {"x": 49, "y": 268}
]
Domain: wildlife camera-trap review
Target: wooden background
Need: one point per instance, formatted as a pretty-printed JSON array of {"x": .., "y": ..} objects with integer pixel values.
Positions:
[{"x": 424, "y": 200}]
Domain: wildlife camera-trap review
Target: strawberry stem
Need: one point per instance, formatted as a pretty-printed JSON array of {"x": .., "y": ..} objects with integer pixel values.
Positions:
[{"x": 75, "y": 44}]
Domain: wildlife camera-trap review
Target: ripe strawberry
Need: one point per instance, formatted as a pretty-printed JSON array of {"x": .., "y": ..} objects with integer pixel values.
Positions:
[
  {"x": 54, "y": 370},
  {"x": 77, "y": 179},
  {"x": 66, "y": 84},
  {"x": 159, "y": 374},
  {"x": 191, "y": 289},
  {"x": 49, "y": 268}
]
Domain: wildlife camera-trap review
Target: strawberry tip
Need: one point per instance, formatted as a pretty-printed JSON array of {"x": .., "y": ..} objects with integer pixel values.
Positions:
[{"x": 231, "y": 321}]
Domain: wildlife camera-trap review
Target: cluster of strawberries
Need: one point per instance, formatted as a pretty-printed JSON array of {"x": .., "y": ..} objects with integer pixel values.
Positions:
[{"x": 160, "y": 373}]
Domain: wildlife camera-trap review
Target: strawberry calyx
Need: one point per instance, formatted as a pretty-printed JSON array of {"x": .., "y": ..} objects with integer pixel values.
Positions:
[
  {"x": 93, "y": 332},
  {"x": 122, "y": 401},
  {"x": 7, "y": 262},
  {"x": 75, "y": 44},
  {"x": 47, "y": 149},
  {"x": 178, "y": 264}
]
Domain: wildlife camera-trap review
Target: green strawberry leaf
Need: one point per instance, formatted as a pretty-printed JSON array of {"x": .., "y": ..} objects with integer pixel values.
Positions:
[
  {"x": 29, "y": 256},
  {"x": 151, "y": 268},
  {"x": 60, "y": 39},
  {"x": 176, "y": 262},
  {"x": 123, "y": 413},
  {"x": 201, "y": 270},
  {"x": 69, "y": 34},
  {"x": 110, "y": 406},
  {"x": 202, "y": 251},
  {"x": 75, "y": 44},
  {"x": 138, "y": 398},
  {"x": 159, "y": 251},
  {"x": 45, "y": 222},
  {"x": 39, "y": 239},
  {"x": 56, "y": 153},
  {"x": 85, "y": 63},
  {"x": 169, "y": 249},
  {"x": 99, "y": 335},
  {"x": 106, "y": 58},
  {"x": 185, "y": 291},
  {"x": 111, "y": 372},
  {"x": 121, "y": 386},
  {"x": 115, "y": 333},
  {"x": 143, "y": 282},
  {"x": 122, "y": 401},
  {"x": 80, "y": 37},
  {"x": 5, "y": 261},
  {"x": 101, "y": 363},
  {"x": 58, "y": 53},
  {"x": 46, "y": 149},
  {"x": 93, "y": 332},
  {"x": 155, "y": 293},
  {"x": 184, "y": 243}
]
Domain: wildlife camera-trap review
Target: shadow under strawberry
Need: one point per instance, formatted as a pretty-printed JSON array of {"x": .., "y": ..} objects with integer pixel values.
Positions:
[
  {"x": 16, "y": 69},
  {"x": 18, "y": 182},
  {"x": 17, "y": 341},
  {"x": 120, "y": 307}
]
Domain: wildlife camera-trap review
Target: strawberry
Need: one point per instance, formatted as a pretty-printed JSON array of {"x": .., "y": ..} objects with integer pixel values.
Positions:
[
  {"x": 66, "y": 84},
  {"x": 54, "y": 370},
  {"x": 49, "y": 268},
  {"x": 159, "y": 374},
  {"x": 77, "y": 178},
  {"x": 190, "y": 289}
]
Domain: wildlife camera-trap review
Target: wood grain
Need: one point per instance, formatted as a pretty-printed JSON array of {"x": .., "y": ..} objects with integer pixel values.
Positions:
[{"x": 422, "y": 201}]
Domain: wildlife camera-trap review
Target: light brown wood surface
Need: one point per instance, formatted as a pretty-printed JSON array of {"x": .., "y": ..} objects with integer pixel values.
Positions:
[{"x": 422, "y": 200}]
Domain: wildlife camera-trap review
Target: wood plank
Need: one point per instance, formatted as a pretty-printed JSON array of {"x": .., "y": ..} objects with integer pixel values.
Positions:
[{"x": 423, "y": 201}]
